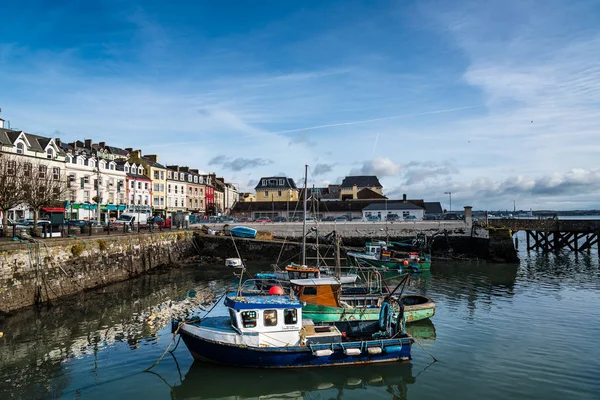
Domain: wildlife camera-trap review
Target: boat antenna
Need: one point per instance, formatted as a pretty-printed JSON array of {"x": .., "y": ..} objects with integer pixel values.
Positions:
[
  {"x": 239, "y": 288},
  {"x": 304, "y": 217}
]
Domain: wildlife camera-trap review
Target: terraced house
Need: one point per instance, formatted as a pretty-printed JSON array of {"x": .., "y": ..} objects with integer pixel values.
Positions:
[
  {"x": 176, "y": 189},
  {"x": 38, "y": 158},
  {"x": 158, "y": 174}
]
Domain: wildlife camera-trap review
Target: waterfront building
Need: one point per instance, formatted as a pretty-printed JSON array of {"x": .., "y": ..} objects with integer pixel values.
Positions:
[
  {"x": 231, "y": 197},
  {"x": 157, "y": 173},
  {"x": 219, "y": 186},
  {"x": 93, "y": 181},
  {"x": 138, "y": 186},
  {"x": 195, "y": 191},
  {"x": 352, "y": 185},
  {"x": 404, "y": 210},
  {"x": 276, "y": 189},
  {"x": 209, "y": 194},
  {"x": 31, "y": 152},
  {"x": 176, "y": 189}
]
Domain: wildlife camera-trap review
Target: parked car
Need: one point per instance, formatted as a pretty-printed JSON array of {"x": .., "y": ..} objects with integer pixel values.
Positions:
[
  {"x": 279, "y": 219},
  {"x": 28, "y": 223},
  {"x": 373, "y": 218},
  {"x": 451, "y": 217},
  {"x": 410, "y": 218},
  {"x": 430, "y": 217},
  {"x": 328, "y": 219},
  {"x": 309, "y": 219},
  {"x": 77, "y": 222},
  {"x": 264, "y": 220},
  {"x": 293, "y": 219},
  {"x": 341, "y": 219},
  {"x": 245, "y": 219}
]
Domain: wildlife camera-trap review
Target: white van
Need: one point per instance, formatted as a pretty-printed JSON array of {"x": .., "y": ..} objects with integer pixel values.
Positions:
[{"x": 128, "y": 218}]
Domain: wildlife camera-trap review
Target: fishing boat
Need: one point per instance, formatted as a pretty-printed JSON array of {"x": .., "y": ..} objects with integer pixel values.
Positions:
[
  {"x": 234, "y": 263},
  {"x": 295, "y": 271},
  {"x": 378, "y": 254},
  {"x": 269, "y": 331},
  {"x": 243, "y": 232},
  {"x": 325, "y": 300}
]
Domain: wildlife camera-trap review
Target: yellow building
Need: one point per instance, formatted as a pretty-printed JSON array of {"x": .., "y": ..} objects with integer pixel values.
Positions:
[
  {"x": 247, "y": 197},
  {"x": 276, "y": 188},
  {"x": 158, "y": 174},
  {"x": 351, "y": 185}
]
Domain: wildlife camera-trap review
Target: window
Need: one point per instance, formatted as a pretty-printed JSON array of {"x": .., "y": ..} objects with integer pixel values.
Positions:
[
  {"x": 146, "y": 185},
  {"x": 266, "y": 193},
  {"x": 176, "y": 193},
  {"x": 281, "y": 182},
  {"x": 195, "y": 179},
  {"x": 290, "y": 316},
  {"x": 140, "y": 171},
  {"x": 155, "y": 200},
  {"x": 270, "y": 317},
  {"x": 68, "y": 159},
  {"x": 27, "y": 169},
  {"x": 91, "y": 163},
  {"x": 111, "y": 166},
  {"x": 264, "y": 182},
  {"x": 176, "y": 203},
  {"x": 249, "y": 319},
  {"x": 139, "y": 185},
  {"x": 42, "y": 171},
  {"x": 133, "y": 184},
  {"x": 169, "y": 190},
  {"x": 170, "y": 175},
  {"x": 86, "y": 195},
  {"x": 162, "y": 174},
  {"x": 56, "y": 173},
  {"x": 126, "y": 169},
  {"x": 11, "y": 168},
  {"x": 71, "y": 177},
  {"x": 156, "y": 188},
  {"x": 20, "y": 148},
  {"x": 310, "y": 290},
  {"x": 279, "y": 193},
  {"x": 50, "y": 153}
]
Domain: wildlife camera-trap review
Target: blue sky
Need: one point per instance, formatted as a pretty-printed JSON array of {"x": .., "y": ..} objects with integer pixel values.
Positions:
[{"x": 495, "y": 101}]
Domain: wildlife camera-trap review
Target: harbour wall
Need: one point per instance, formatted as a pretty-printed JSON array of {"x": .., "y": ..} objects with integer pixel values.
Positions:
[{"x": 38, "y": 272}]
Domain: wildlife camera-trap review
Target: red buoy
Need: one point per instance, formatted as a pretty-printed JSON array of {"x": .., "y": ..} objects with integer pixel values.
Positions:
[
  {"x": 276, "y": 290},
  {"x": 405, "y": 263}
]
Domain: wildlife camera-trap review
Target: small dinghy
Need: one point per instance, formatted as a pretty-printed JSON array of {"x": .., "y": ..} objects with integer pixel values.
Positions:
[
  {"x": 243, "y": 232},
  {"x": 417, "y": 307},
  {"x": 234, "y": 263}
]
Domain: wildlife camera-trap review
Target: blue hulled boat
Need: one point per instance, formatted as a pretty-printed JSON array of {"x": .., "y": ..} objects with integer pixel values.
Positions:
[
  {"x": 268, "y": 331},
  {"x": 243, "y": 232}
]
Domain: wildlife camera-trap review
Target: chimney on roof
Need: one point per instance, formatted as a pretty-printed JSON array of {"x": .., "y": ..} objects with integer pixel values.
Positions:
[
  {"x": 184, "y": 169},
  {"x": 194, "y": 171},
  {"x": 88, "y": 143},
  {"x": 135, "y": 153},
  {"x": 404, "y": 197},
  {"x": 129, "y": 149},
  {"x": 57, "y": 141},
  {"x": 102, "y": 145},
  {"x": 1, "y": 123},
  {"x": 151, "y": 157}
]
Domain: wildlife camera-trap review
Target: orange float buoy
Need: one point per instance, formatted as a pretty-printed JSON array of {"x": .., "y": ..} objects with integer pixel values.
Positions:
[
  {"x": 405, "y": 263},
  {"x": 276, "y": 290}
]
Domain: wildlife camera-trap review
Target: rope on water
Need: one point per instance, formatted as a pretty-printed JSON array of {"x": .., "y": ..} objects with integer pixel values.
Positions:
[
  {"x": 422, "y": 348},
  {"x": 167, "y": 349}
]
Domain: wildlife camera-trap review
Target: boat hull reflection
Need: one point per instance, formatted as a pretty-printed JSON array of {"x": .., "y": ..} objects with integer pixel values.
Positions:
[{"x": 206, "y": 381}]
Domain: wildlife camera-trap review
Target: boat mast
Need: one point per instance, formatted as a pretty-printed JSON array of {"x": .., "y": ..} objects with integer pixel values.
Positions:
[
  {"x": 304, "y": 217},
  {"x": 338, "y": 272}
]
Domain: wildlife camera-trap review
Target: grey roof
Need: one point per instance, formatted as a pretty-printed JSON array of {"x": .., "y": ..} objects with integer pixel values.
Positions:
[
  {"x": 361, "y": 181},
  {"x": 117, "y": 150},
  {"x": 433, "y": 207},
  {"x": 273, "y": 183},
  {"x": 392, "y": 206},
  {"x": 153, "y": 164}
]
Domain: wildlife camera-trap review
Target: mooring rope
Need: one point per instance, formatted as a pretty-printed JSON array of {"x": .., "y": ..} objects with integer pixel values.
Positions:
[{"x": 167, "y": 349}]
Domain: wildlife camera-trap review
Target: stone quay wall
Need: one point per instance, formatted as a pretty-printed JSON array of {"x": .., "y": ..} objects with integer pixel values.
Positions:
[{"x": 38, "y": 272}]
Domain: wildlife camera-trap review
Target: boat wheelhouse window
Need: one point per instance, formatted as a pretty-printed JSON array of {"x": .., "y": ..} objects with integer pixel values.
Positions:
[
  {"x": 310, "y": 290},
  {"x": 270, "y": 317},
  {"x": 249, "y": 319},
  {"x": 290, "y": 316}
]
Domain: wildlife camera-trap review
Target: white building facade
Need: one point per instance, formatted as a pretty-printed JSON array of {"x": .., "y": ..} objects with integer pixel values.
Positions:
[{"x": 176, "y": 191}]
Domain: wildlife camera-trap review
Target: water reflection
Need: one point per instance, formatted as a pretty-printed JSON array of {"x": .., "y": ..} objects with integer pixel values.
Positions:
[
  {"x": 421, "y": 330},
  {"x": 208, "y": 381}
]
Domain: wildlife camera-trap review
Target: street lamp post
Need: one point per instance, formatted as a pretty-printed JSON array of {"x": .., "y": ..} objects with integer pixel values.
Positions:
[{"x": 450, "y": 196}]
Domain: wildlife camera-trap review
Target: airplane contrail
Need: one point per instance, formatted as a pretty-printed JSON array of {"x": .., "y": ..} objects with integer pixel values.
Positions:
[
  {"x": 310, "y": 128},
  {"x": 375, "y": 144},
  {"x": 366, "y": 121}
]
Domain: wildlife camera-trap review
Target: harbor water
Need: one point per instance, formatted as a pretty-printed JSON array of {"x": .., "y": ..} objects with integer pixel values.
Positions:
[{"x": 526, "y": 331}]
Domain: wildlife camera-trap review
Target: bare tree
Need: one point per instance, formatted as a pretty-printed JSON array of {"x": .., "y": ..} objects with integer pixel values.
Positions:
[
  {"x": 46, "y": 186},
  {"x": 11, "y": 186}
]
